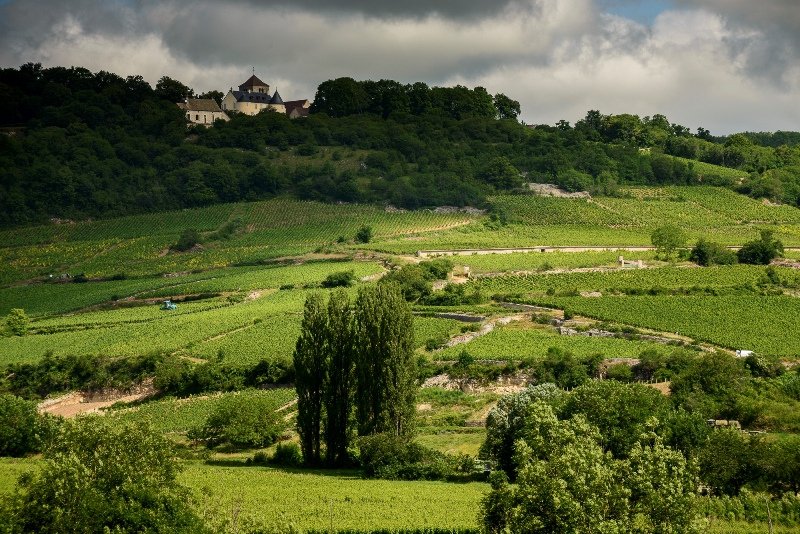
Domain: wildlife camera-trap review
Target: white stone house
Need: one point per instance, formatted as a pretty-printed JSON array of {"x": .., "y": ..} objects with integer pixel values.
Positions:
[{"x": 202, "y": 111}]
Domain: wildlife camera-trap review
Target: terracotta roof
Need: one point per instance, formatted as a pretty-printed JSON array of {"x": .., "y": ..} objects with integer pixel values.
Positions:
[
  {"x": 200, "y": 104},
  {"x": 252, "y": 81}
]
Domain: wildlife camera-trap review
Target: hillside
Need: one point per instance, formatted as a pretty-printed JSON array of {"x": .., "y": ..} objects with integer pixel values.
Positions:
[{"x": 108, "y": 146}]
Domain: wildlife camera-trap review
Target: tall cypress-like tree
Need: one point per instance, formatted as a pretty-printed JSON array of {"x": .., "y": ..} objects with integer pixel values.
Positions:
[
  {"x": 340, "y": 379},
  {"x": 310, "y": 364},
  {"x": 385, "y": 365}
]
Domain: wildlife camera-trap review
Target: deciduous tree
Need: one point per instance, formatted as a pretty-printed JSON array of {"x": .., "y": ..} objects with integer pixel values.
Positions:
[
  {"x": 310, "y": 366},
  {"x": 385, "y": 364}
]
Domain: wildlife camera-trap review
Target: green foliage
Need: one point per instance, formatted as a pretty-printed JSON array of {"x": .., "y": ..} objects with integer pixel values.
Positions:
[
  {"x": 385, "y": 364},
  {"x": 504, "y": 424},
  {"x": 727, "y": 461},
  {"x": 620, "y": 412},
  {"x": 364, "y": 234},
  {"x": 310, "y": 365},
  {"x": 57, "y": 374},
  {"x": 621, "y": 372},
  {"x": 761, "y": 251},
  {"x": 707, "y": 253},
  {"x": 414, "y": 281},
  {"x": 102, "y": 476},
  {"x": 287, "y": 455},
  {"x": 397, "y": 458},
  {"x": 188, "y": 239},
  {"x": 668, "y": 239},
  {"x": 241, "y": 420},
  {"x": 18, "y": 322},
  {"x": 22, "y": 429},
  {"x": 340, "y": 379},
  {"x": 340, "y": 279},
  {"x": 562, "y": 368},
  {"x": 438, "y": 269},
  {"x": 567, "y": 483}
]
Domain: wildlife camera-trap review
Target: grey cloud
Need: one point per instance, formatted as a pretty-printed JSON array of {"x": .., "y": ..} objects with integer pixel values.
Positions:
[
  {"x": 389, "y": 9},
  {"x": 768, "y": 40}
]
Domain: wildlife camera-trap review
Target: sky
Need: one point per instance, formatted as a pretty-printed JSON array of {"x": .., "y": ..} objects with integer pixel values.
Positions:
[{"x": 725, "y": 65}]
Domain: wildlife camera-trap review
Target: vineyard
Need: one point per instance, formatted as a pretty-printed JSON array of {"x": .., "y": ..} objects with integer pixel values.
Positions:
[
  {"x": 177, "y": 416},
  {"x": 276, "y": 500},
  {"x": 519, "y": 342},
  {"x": 635, "y": 280},
  {"x": 533, "y": 261},
  {"x": 768, "y": 325},
  {"x": 240, "y": 301}
]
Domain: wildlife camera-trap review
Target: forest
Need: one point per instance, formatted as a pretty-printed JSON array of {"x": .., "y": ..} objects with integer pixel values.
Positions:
[{"x": 79, "y": 145}]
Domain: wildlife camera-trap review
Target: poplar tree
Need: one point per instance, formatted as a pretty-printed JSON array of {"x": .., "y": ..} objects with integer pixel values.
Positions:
[
  {"x": 310, "y": 365},
  {"x": 340, "y": 379},
  {"x": 385, "y": 365}
]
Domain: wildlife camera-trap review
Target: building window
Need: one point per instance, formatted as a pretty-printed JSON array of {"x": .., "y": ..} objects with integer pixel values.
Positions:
[{"x": 197, "y": 117}]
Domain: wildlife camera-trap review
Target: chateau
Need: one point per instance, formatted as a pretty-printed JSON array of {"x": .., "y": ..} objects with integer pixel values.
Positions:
[{"x": 253, "y": 97}]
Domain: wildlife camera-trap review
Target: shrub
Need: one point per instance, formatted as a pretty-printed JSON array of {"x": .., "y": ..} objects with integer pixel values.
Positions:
[
  {"x": 761, "y": 251},
  {"x": 437, "y": 269},
  {"x": 287, "y": 455},
  {"x": 339, "y": 279},
  {"x": 21, "y": 426},
  {"x": 364, "y": 234},
  {"x": 103, "y": 476},
  {"x": 189, "y": 238},
  {"x": 620, "y": 372},
  {"x": 18, "y": 322},
  {"x": 241, "y": 420},
  {"x": 413, "y": 281},
  {"x": 708, "y": 253},
  {"x": 398, "y": 458}
]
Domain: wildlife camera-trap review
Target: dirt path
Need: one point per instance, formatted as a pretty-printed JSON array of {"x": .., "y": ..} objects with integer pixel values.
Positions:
[{"x": 78, "y": 403}]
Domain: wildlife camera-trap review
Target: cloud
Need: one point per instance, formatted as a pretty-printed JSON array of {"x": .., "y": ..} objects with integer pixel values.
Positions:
[
  {"x": 391, "y": 9},
  {"x": 767, "y": 43},
  {"x": 712, "y": 67}
]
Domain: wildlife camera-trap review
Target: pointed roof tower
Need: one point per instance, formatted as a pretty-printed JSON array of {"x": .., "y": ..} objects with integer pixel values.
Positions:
[
  {"x": 276, "y": 98},
  {"x": 254, "y": 85}
]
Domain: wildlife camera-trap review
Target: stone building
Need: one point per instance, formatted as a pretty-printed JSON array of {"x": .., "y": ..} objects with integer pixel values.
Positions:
[
  {"x": 202, "y": 111},
  {"x": 252, "y": 98}
]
